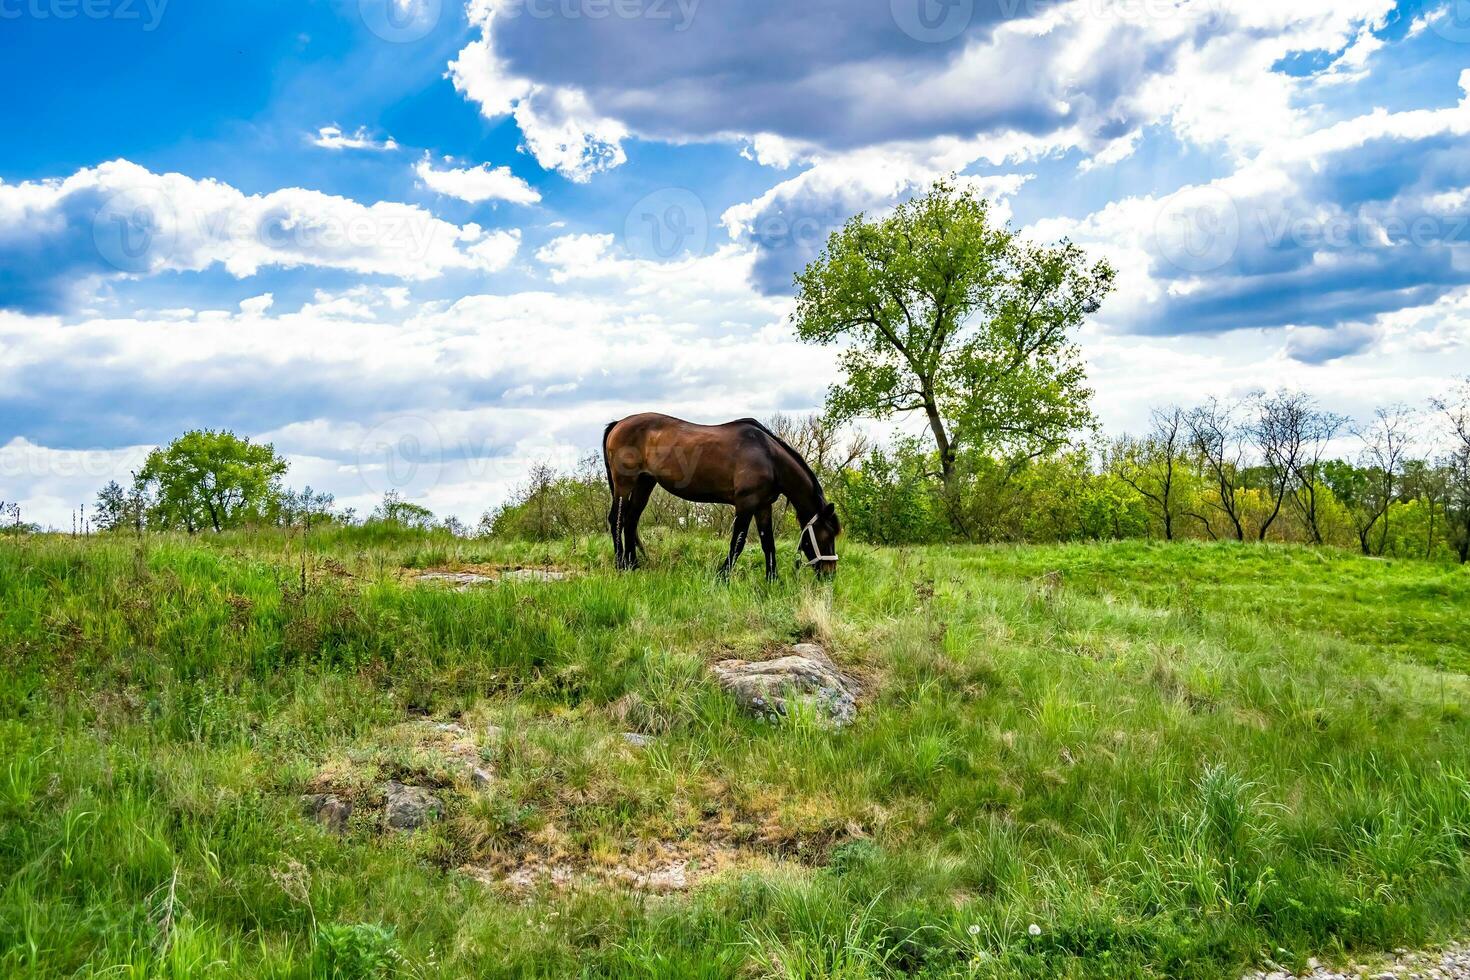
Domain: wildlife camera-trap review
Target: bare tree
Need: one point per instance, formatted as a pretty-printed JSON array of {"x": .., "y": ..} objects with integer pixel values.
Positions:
[
  {"x": 1276, "y": 430},
  {"x": 1315, "y": 430},
  {"x": 1456, "y": 409},
  {"x": 1149, "y": 465},
  {"x": 1385, "y": 446},
  {"x": 828, "y": 447},
  {"x": 1215, "y": 436}
]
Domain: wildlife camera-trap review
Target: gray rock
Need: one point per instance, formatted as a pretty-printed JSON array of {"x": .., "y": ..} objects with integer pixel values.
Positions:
[
  {"x": 480, "y": 777},
  {"x": 461, "y": 581},
  {"x": 636, "y": 739},
  {"x": 328, "y": 810},
  {"x": 534, "y": 575},
  {"x": 766, "y": 688},
  {"x": 409, "y": 807}
]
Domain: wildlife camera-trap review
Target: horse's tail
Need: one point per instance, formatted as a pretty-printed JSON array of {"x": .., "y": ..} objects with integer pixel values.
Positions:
[{"x": 607, "y": 459}]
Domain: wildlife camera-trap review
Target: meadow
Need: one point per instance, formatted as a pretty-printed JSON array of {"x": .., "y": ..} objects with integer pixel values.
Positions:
[{"x": 1126, "y": 759}]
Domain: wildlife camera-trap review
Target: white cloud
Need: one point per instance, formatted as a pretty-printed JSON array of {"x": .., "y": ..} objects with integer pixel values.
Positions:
[
  {"x": 332, "y": 138},
  {"x": 477, "y": 184},
  {"x": 119, "y": 219}
]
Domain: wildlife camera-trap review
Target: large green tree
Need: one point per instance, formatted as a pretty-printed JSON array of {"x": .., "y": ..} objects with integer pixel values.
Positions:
[
  {"x": 207, "y": 479},
  {"x": 946, "y": 312}
]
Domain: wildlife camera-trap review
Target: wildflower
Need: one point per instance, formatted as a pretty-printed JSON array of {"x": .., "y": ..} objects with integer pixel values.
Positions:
[
  {"x": 1034, "y": 929},
  {"x": 974, "y": 930}
]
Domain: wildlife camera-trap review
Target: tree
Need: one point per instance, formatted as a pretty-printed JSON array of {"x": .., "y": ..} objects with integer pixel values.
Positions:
[
  {"x": 1216, "y": 437},
  {"x": 395, "y": 510},
  {"x": 306, "y": 507},
  {"x": 120, "y": 510},
  {"x": 1276, "y": 429},
  {"x": 212, "y": 479},
  {"x": 1315, "y": 431},
  {"x": 1368, "y": 489},
  {"x": 1455, "y": 407},
  {"x": 1150, "y": 465},
  {"x": 944, "y": 313}
]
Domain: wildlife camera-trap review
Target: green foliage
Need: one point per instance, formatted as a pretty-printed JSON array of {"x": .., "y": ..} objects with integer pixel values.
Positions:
[
  {"x": 941, "y": 311},
  {"x": 208, "y": 479},
  {"x": 361, "y": 951}
]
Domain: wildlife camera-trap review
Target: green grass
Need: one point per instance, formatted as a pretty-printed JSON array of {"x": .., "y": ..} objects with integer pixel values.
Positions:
[{"x": 1174, "y": 760}]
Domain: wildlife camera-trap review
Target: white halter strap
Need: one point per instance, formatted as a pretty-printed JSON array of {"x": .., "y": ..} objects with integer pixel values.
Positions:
[{"x": 809, "y": 529}]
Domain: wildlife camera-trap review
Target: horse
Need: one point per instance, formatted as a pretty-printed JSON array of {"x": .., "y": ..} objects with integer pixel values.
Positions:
[{"x": 740, "y": 463}]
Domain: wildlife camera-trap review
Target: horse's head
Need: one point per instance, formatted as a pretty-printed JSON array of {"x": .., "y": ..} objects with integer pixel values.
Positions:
[{"x": 818, "y": 542}]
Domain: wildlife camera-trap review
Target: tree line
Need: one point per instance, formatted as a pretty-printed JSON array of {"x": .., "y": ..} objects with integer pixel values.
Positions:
[{"x": 944, "y": 316}]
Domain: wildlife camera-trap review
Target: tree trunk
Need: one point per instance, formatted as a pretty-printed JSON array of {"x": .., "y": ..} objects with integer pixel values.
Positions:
[{"x": 941, "y": 440}]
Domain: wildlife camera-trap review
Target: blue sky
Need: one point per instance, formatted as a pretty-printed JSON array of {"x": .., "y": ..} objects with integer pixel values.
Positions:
[{"x": 420, "y": 244}]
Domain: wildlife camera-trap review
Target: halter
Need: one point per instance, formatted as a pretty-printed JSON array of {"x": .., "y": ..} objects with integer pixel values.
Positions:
[{"x": 808, "y": 529}]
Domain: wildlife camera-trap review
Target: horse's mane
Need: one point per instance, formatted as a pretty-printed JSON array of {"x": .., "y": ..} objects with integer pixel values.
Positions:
[{"x": 801, "y": 460}]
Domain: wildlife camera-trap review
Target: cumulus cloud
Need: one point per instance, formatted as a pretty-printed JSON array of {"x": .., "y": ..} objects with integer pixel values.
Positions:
[
  {"x": 789, "y": 224},
  {"x": 59, "y": 237},
  {"x": 332, "y": 138},
  {"x": 484, "y": 385},
  {"x": 477, "y": 184},
  {"x": 1326, "y": 232},
  {"x": 791, "y": 81}
]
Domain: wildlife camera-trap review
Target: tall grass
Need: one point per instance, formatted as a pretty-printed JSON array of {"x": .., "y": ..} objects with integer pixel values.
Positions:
[{"x": 1171, "y": 761}]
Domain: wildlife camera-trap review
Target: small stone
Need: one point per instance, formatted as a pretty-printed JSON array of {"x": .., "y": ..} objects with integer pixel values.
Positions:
[
  {"x": 806, "y": 674},
  {"x": 327, "y": 809},
  {"x": 480, "y": 777},
  {"x": 494, "y": 733},
  {"x": 409, "y": 807},
  {"x": 636, "y": 739}
]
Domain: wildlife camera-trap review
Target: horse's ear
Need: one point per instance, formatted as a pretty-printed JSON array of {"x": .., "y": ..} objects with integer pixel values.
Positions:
[{"x": 830, "y": 510}]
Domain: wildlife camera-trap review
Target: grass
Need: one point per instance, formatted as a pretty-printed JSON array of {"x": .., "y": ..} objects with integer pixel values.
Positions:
[{"x": 1173, "y": 760}]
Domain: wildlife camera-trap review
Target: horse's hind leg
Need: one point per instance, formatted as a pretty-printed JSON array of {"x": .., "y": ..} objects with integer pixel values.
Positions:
[
  {"x": 767, "y": 532},
  {"x": 632, "y": 511},
  {"x": 737, "y": 541},
  {"x": 615, "y": 525}
]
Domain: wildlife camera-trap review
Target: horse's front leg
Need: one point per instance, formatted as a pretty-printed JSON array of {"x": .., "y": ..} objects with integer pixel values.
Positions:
[
  {"x": 767, "y": 534},
  {"x": 737, "y": 541}
]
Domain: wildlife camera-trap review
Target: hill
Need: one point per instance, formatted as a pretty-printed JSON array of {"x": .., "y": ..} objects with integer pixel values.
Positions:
[{"x": 1128, "y": 759}]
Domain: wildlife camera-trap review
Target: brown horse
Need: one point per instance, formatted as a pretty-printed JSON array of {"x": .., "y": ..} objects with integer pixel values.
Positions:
[{"x": 740, "y": 463}]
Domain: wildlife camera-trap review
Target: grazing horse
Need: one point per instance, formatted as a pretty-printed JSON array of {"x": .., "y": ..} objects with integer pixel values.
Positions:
[{"x": 740, "y": 463}]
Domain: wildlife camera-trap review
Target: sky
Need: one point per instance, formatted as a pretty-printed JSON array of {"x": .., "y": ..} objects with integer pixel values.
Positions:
[{"x": 419, "y": 245}]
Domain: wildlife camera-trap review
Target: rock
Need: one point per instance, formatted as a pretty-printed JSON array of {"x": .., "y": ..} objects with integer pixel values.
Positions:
[
  {"x": 328, "y": 810},
  {"x": 461, "y": 581},
  {"x": 480, "y": 777},
  {"x": 637, "y": 740},
  {"x": 409, "y": 807},
  {"x": 807, "y": 674},
  {"x": 494, "y": 733},
  {"x": 534, "y": 575}
]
